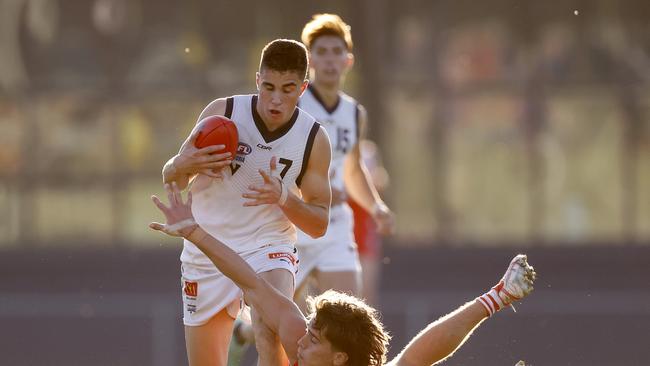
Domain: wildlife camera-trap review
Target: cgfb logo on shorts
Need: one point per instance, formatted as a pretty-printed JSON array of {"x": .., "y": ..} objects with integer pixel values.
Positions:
[{"x": 191, "y": 288}]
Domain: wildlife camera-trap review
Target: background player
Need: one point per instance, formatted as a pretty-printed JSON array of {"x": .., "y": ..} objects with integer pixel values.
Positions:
[
  {"x": 332, "y": 261},
  {"x": 365, "y": 229},
  {"x": 342, "y": 330},
  {"x": 253, "y": 204}
]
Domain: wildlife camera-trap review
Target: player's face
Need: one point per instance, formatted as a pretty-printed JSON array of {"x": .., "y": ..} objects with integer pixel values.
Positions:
[
  {"x": 278, "y": 94},
  {"x": 329, "y": 59},
  {"x": 315, "y": 350}
]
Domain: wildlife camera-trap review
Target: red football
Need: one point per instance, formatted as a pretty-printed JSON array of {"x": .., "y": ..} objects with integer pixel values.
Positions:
[{"x": 218, "y": 130}]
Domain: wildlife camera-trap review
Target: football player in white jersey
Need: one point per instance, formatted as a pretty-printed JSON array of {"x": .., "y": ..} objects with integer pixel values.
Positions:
[
  {"x": 252, "y": 202},
  {"x": 340, "y": 329},
  {"x": 332, "y": 261}
]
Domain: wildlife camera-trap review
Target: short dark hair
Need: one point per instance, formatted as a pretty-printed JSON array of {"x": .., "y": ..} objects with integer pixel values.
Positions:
[
  {"x": 285, "y": 55},
  {"x": 351, "y": 326}
]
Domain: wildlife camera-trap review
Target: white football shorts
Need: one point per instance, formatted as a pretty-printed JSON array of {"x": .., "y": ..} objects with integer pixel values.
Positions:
[
  {"x": 206, "y": 291},
  {"x": 334, "y": 252}
]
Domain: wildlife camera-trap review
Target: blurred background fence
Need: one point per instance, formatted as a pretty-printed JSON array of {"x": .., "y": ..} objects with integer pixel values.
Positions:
[
  {"x": 506, "y": 125},
  {"x": 505, "y": 121}
]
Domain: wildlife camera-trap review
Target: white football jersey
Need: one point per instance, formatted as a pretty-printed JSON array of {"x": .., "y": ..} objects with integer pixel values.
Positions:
[
  {"x": 342, "y": 125},
  {"x": 218, "y": 205}
]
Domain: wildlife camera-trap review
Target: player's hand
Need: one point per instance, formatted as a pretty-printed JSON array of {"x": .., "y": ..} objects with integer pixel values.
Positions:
[
  {"x": 269, "y": 192},
  {"x": 180, "y": 221},
  {"x": 206, "y": 161},
  {"x": 384, "y": 218}
]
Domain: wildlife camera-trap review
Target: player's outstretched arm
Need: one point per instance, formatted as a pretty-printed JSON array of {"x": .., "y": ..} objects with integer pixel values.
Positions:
[
  {"x": 440, "y": 339},
  {"x": 359, "y": 185},
  {"x": 278, "y": 312},
  {"x": 191, "y": 161}
]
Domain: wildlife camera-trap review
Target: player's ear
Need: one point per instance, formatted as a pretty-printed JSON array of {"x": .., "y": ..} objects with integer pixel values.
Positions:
[
  {"x": 350, "y": 60},
  {"x": 340, "y": 358},
  {"x": 257, "y": 80},
  {"x": 304, "y": 86}
]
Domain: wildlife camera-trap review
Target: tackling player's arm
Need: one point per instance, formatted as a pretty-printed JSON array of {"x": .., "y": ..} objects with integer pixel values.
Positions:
[
  {"x": 443, "y": 337},
  {"x": 311, "y": 213},
  {"x": 278, "y": 312},
  {"x": 359, "y": 184},
  {"x": 440, "y": 339},
  {"x": 191, "y": 161}
]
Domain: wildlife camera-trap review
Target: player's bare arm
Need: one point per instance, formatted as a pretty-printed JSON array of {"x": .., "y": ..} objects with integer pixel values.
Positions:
[
  {"x": 278, "y": 312},
  {"x": 311, "y": 212},
  {"x": 440, "y": 339},
  {"x": 191, "y": 161},
  {"x": 360, "y": 186}
]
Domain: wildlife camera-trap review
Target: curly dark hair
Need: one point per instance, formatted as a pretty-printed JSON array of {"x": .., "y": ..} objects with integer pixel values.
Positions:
[{"x": 351, "y": 326}]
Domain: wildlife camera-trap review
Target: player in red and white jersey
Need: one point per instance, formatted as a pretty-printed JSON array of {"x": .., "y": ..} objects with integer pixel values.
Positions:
[
  {"x": 253, "y": 201},
  {"x": 341, "y": 329},
  {"x": 332, "y": 261}
]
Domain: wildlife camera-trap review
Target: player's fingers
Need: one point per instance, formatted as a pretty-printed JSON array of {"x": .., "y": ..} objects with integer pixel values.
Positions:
[
  {"x": 178, "y": 199},
  {"x": 211, "y": 149},
  {"x": 219, "y": 164},
  {"x": 260, "y": 189},
  {"x": 273, "y": 164},
  {"x": 215, "y": 167},
  {"x": 161, "y": 206},
  {"x": 256, "y": 203},
  {"x": 156, "y": 226},
  {"x": 383, "y": 229},
  {"x": 252, "y": 195},
  {"x": 170, "y": 194},
  {"x": 211, "y": 158},
  {"x": 266, "y": 176}
]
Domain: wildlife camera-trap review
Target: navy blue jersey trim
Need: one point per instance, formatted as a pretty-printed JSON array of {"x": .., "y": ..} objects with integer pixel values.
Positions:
[
  {"x": 229, "y": 104},
  {"x": 320, "y": 101},
  {"x": 270, "y": 136},
  {"x": 356, "y": 121},
  {"x": 310, "y": 143}
]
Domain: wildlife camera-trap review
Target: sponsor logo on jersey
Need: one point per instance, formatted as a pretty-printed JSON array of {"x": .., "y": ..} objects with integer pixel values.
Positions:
[
  {"x": 283, "y": 256},
  {"x": 191, "y": 288},
  {"x": 244, "y": 149},
  {"x": 264, "y": 147}
]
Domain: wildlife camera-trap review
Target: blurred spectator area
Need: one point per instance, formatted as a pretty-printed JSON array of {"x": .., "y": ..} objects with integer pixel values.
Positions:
[{"x": 501, "y": 122}]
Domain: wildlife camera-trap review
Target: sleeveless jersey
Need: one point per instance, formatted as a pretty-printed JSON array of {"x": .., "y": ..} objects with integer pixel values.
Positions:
[
  {"x": 342, "y": 126},
  {"x": 218, "y": 205}
]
